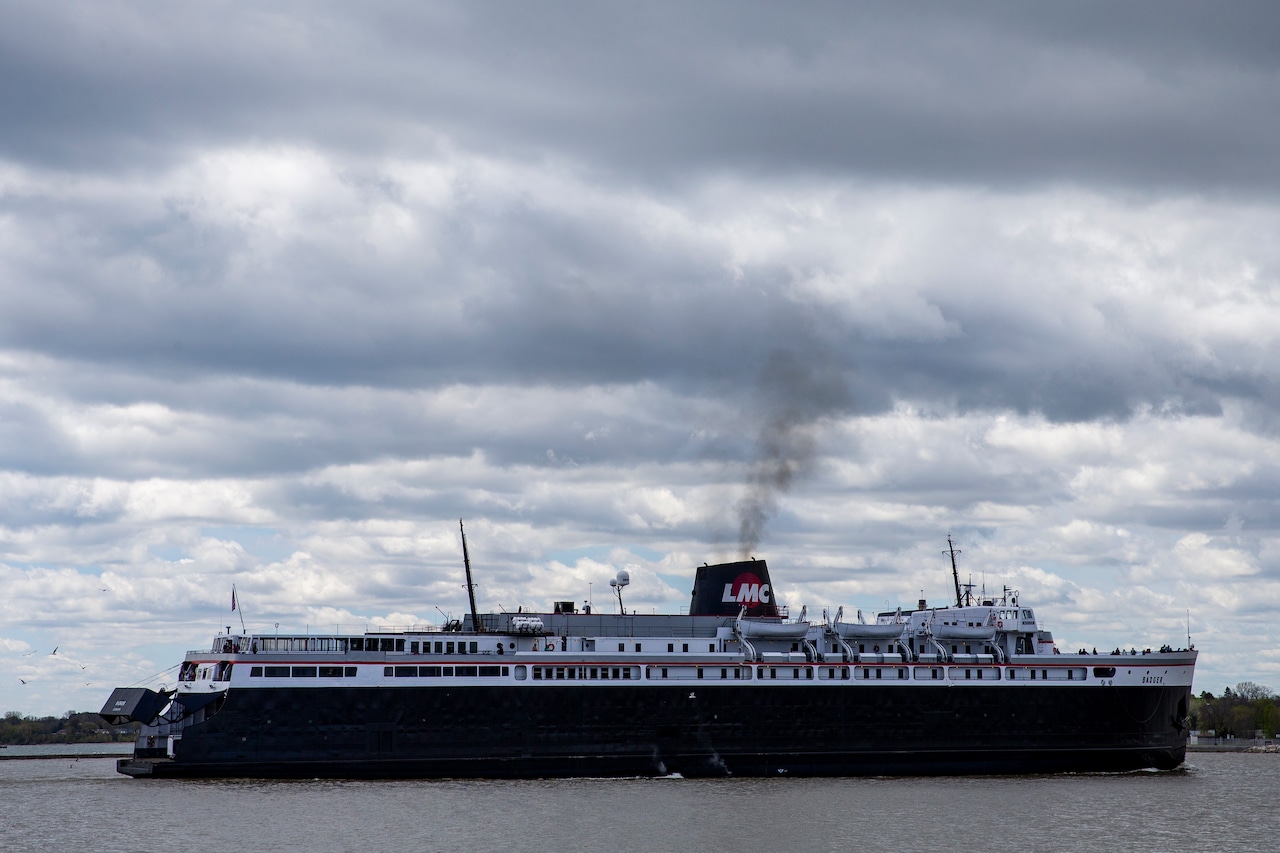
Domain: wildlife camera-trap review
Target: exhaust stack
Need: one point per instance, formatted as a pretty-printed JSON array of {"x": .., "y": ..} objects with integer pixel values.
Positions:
[{"x": 724, "y": 589}]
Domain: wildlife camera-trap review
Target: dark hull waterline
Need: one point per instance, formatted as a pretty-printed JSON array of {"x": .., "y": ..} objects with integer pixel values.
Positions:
[{"x": 693, "y": 730}]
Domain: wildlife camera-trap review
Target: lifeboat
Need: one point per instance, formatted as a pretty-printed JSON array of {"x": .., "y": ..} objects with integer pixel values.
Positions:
[
  {"x": 760, "y": 629},
  {"x": 879, "y": 631}
]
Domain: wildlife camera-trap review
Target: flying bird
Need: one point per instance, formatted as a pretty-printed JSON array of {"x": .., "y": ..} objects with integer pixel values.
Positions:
[
  {"x": 55, "y": 651},
  {"x": 23, "y": 680}
]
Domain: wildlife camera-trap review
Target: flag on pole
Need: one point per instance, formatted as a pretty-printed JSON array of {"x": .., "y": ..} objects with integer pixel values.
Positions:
[{"x": 235, "y": 605}]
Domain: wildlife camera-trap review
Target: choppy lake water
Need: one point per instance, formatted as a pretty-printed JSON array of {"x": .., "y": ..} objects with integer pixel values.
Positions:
[{"x": 1217, "y": 801}]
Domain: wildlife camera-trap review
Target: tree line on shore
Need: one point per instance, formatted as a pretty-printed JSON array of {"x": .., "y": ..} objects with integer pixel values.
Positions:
[
  {"x": 71, "y": 727},
  {"x": 1238, "y": 713}
]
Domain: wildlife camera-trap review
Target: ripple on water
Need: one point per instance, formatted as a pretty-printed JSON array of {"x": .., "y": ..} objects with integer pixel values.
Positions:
[{"x": 1216, "y": 801}]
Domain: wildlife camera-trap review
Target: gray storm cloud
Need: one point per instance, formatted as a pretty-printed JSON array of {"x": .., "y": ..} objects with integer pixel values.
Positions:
[{"x": 285, "y": 289}]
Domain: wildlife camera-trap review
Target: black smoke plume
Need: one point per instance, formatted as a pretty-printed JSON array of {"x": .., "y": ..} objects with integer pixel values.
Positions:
[{"x": 796, "y": 395}]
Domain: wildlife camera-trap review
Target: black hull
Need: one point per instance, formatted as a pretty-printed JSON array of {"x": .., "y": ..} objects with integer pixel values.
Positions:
[{"x": 695, "y": 730}]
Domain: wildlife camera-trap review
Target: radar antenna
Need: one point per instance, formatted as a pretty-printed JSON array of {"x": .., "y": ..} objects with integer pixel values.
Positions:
[
  {"x": 622, "y": 580},
  {"x": 955, "y": 573}
]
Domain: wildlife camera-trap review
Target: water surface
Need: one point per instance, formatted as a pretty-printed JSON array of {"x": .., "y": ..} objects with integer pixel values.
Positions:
[{"x": 1221, "y": 802}]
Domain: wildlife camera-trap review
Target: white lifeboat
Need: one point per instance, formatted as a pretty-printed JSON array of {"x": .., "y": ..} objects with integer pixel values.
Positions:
[
  {"x": 859, "y": 631},
  {"x": 760, "y": 629}
]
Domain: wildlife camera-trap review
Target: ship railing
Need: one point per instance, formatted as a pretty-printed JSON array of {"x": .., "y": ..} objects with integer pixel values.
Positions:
[
  {"x": 250, "y": 651},
  {"x": 609, "y": 626},
  {"x": 339, "y": 631}
]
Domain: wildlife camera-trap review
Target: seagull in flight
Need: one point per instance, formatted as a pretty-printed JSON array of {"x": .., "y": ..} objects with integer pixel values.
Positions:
[
  {"x": 55, "y": 651},
  {"x": 23, "y": 680}
]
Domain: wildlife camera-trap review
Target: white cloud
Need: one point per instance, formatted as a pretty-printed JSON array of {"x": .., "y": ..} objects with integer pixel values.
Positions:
[{"x": 284, "y": 319}]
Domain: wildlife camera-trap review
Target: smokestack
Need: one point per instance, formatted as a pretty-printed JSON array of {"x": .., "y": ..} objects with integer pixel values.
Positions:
[{"x": 724, "y": 589}]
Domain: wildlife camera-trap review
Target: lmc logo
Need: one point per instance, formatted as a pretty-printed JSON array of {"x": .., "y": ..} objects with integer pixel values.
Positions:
[{"x": 746, "y": 589}]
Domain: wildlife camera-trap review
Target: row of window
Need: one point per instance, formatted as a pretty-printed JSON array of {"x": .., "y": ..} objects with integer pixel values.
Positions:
[
  {"x": 462, "y": 647},
  {"x": 582, "y": 673},
  {"x": 671, "y": 647},
  {"x": 324, "y": 644},
  {"x": 445, "y": 671},
  {"x": 866, "y": 673},
  {"x": 395, "y": 644},
  {"x": 698, "y": 673},
  {"x": 1062, "y": 673},
  {"x": 358, "y": 644},
  {"x": 302, "y": 672},
  {"x": 763, "y": 673},
  {"x": 445, "y": 647},
  {"x": 388, "y": 671}
]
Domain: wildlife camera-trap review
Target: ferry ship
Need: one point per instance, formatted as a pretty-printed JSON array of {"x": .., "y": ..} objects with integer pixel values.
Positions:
[{"x": 734, "y": 687}]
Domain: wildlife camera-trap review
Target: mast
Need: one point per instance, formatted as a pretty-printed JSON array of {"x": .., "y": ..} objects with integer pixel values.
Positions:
[
  {"x": 471, "y": 587},
  {"x": 955, "y": 573}
]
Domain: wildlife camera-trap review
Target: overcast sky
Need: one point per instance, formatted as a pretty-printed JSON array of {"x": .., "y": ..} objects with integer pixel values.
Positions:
[{"x": 288, "y": 288}]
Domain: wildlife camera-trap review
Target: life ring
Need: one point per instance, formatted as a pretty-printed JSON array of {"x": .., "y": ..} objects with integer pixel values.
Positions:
[{"x": 875, "y": 648}]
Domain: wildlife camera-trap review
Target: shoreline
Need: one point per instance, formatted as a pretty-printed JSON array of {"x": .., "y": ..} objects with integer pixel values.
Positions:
[
  {"x": 1244, "y": 747},
  {"x": 102, "y": 749}
]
